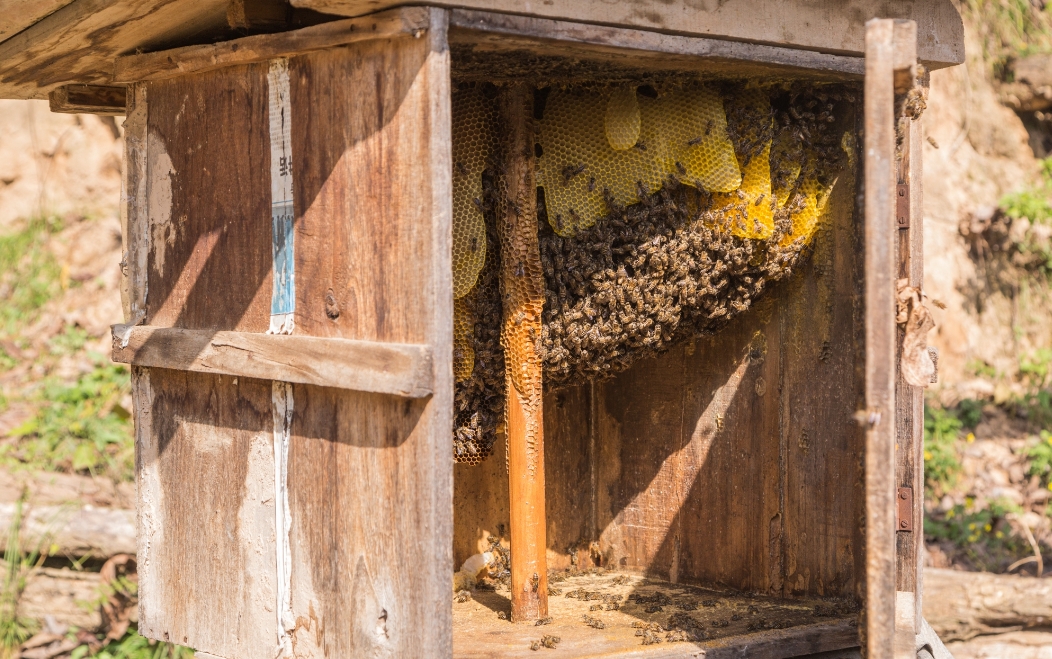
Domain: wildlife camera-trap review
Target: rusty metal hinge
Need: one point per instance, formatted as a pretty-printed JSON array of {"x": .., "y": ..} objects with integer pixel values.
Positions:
[
  {"x": 902, "y": 205},
  {"x": 904, "y": 509}
]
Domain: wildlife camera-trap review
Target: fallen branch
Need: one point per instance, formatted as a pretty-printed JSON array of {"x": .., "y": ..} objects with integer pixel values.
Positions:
[{"x": 962, "y": 605}]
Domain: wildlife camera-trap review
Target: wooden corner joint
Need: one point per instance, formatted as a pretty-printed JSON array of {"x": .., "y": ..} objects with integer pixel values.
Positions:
[{"x": 89, "y": 99}]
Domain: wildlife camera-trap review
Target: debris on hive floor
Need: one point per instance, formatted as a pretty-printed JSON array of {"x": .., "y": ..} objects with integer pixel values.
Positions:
[{"x": 650, "y": 612}]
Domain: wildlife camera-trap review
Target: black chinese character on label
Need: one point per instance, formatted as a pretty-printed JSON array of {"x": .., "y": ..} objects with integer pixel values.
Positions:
[{"x": 285, "y": 166}]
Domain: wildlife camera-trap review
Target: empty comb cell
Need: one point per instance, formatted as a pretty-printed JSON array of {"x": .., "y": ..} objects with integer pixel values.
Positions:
[{"x": 473, "y": 128}]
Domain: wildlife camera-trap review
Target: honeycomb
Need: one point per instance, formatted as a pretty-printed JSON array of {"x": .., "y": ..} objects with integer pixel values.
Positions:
[
  {"x": 681, "y": 134},
  {"x": 522, "y": 280},
  {"x": 622, "y": 119},
  {"x": 659, "y": 216},
  {"x": 473, "y": 134},
  {"x": 463, "y": 345},
  {"x": 694, "y": 143},
  {"x": 749, "y": 210}
]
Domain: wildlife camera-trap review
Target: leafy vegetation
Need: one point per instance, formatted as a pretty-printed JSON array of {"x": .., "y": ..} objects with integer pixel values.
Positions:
[
  {"x": 29, "y": 274},
  {"x": 1009, "y": 29},
  {"x": 133, "y": 646},
  {"x": 79, "y": 427},
  {"x": 14, "y": 630},
  {"x": 1040, "y": 457},
  {"x": 942, "y": 464},
  {"x": 983, "y": 534}
]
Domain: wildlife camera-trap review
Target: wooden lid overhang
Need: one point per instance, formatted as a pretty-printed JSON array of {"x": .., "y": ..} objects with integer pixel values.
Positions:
[{"x": 47, "y": 45}]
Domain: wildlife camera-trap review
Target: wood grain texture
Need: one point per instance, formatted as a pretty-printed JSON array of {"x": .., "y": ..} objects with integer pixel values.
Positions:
[
  {"x": 78, "y": 43},
  {"x": 909, "y": 400},
  {"x": 205, "y": 465},
  {"x": 823, "y": 25},
  {"x": 370, "y": 476},
  {"x": 490, "y": 32},
  {"x": 20, "y": 14},
  {"x": 480, "y": 498},
  {"x": 880, "y": 228},
  {"x": 135, "y": 220},
  {"x": 209, "y": 201},
  {"x": 257, "y": 48},
  {"x": 522, "y": 288},
  {"x": 397, "y": 369},
  {"x": 821, "y": 387},
  {"x": 89, "y": 99}
]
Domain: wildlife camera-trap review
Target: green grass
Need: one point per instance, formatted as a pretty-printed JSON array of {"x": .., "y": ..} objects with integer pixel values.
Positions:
[
  {"x": 29, "y": 273},
  {"x": 133, "y": 646},
  {"x": 80, "y": 427},
  {"x": 1008, "y": 30},
  {"x": 942, "y": 464},
  {"x": 982, "y": 535},
  {"x": 14, "y": 630}
]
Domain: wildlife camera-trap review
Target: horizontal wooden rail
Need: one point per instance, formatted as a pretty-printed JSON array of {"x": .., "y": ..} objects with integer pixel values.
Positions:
[
  {"x": 386, "y": 368},
  {"x": 665, "y": 51},
  {"x": 407, "y": 21}
]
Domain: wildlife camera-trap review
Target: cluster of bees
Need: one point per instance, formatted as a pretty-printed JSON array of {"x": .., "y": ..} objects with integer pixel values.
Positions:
[{"x": 662, "y": 214}]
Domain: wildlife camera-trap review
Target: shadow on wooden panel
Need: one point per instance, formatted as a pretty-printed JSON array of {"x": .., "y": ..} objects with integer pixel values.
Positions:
[
  {"x": 361, "y": 270},
  {"x": 689, "y": 470},
  {"x": 206, "y": 471},
  {"x": 208, "y": 162}
]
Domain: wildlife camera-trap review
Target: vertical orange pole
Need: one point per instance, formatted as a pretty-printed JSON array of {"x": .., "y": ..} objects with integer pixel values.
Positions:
[{"x": 522, "y": 288}]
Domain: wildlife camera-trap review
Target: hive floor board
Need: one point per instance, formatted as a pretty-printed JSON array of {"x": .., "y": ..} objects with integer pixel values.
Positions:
[{"x": 725, "y": 623}]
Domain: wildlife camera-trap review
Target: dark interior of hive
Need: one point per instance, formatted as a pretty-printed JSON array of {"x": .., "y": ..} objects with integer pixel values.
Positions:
[{"x": 666, "y": 206}]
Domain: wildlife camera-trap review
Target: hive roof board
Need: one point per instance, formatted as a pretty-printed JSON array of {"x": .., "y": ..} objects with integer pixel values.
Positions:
[{"x": 45, "y": 44}]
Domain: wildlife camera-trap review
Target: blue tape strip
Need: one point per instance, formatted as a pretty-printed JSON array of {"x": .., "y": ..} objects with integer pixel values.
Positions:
[{"x": 284, "y": 298}]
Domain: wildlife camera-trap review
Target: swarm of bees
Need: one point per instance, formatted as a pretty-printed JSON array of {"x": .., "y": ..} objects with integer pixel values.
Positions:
[{"x": 631, "y": 267}]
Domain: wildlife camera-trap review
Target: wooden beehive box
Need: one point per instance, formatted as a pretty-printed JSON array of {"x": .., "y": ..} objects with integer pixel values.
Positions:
[{"x": 290, "y": 329}]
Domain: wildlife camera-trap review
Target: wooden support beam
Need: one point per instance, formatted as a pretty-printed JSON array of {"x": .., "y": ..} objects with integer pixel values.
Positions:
[
  {"x": 890, "y": 62},
  {"x": 408, "y": 21},
  {"x": 269, "y": 15},
  {"x": 89, "y": 99},
  {"x": 522, "y": 286},
  {"x": 386, "y": 368}
]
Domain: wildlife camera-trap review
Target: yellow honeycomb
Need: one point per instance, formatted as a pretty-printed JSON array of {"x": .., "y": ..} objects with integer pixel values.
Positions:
[
  {"x": 463, "y": 340},
  {"x": 622, "y": 119},
  {"x": 695, "y": 149},
  {"x": 577, "y": 162},
  {"x": 786, "y": 162},
  {"x": 750, "y": 211},
  {"x": 810, "y": 208},
  {"x": 473, "y": 133},
  {"x": 682, "y": 133}
]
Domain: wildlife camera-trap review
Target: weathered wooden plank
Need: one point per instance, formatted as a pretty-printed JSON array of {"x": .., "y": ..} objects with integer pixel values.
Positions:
[
  {"x": 879, "y": 415},
  {"x": 194, "y": 59},
  {"x": 78, "y": 43},
  {"x": 20, "y": 14},
  {"x": 89, "y": 99},
  {"x": 480, "y": 497},
  {"x": 205, "y": 475},
  {"x": 909, "y": 400},
  {"x": 522, "y": 282},
  {"x": 808, "y": 25},
  {"x": 820, "y": 389},
  {"x": 370, "y": 476},
  {"x": 399, "y": 369},
  {"x": 489, "y": 31},
  {"x": 688, "y": 455},
  {"x": 208, "y": 198},
  {"x": 135, "y": 219}
]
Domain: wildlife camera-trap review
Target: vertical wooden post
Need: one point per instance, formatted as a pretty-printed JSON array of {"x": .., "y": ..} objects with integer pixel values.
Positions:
[
  {"x": 890, "y": 65},
  {"x": 522, "y": 289}
]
